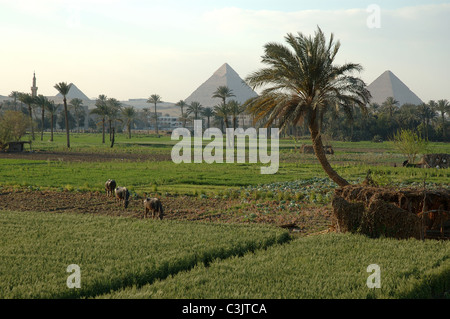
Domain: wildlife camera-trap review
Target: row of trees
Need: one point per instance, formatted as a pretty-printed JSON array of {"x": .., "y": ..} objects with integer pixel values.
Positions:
[
  {"x": 111, "y": 111},
  {"x": 220, "y": 114},
  {"x": 44, "y": 104},
  {"x": 67, "y": 115},
  {"x": 382, "y": 122},
  {"x": 373, "y": 122}
]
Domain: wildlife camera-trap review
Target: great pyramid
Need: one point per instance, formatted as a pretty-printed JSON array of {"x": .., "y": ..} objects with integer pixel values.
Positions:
[
  {"x": 389, "y": 85},
  {"x": 74, "y": 92},
  {"x": 224, "y": 76}
]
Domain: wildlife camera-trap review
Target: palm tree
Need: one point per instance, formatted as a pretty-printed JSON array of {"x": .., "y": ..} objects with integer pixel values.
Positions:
[
  {"x": 129, "y": 113},
  {"x": 304, "y": 84},
  {"x": 52, "y": 108},
  {"x": 185, "y": 119},
  {"x": 208, "y": 113},
  {"x": 182, "y": 104},
  {"x": 114, "y": 108},
  {"x": 195, "y": 108},
  {"x": 101, "y": 109},
  {"x": 426, "y": 114},
  {"x": 390, "y": 104},
  {"x": 235, "y": 109},
  {"x": 222, "y": 112},
  {"x": 41, "y": 101},
  {"x": 77, "y": 105},
  {"x": 155, "y": 99},
  {"x": 147, "y": 112},
  {"x": 223, "y": 92},
  {"x": 15, "y": 96},
  {"x": 27, "y": 98},
  {"x": 443, "y": 106},
  {"x": 63, "y": 88}
]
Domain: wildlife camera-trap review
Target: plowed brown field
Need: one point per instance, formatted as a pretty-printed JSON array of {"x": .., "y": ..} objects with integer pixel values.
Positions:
[{"x": 187, "y": 208}]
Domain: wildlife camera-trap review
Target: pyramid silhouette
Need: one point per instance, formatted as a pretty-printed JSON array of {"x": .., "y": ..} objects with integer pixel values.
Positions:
[
  {"x": 224, "y": 76},
  {"x": 389, "y": 85},
  {"x": 74, "y": 92}
]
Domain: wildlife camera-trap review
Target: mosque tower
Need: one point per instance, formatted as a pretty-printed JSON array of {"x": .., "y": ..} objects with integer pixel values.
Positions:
[{"x": 34, "y": 87}]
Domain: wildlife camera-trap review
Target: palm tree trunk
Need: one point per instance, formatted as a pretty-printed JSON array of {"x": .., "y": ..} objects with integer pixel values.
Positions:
[
  {"x": 321, "y": 156},
  {"x": 182, "y": 116},
  {"x": 110, "y": 130},
  {"x": 42, "y": 129},
  {"x": 443, "y": 126},
  {"x": 51, "y": 127},
  {"x": 112, "y": 138},
  {"x": 156, "y": 121},
  {"x": 67, "y": 122},
  {"x": 103, "y": 130},
  {"x": 31, "y": 121}
]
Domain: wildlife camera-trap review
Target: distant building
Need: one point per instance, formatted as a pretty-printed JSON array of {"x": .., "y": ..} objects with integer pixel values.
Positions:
[
  {"x": 34, "y": 87},
  {"x": 169, "y": 123}
]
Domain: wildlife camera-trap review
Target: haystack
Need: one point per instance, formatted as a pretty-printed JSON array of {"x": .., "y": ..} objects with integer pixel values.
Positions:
[
  {"x": 436, "y": 160},
  {"x": 398, "y": 213}
]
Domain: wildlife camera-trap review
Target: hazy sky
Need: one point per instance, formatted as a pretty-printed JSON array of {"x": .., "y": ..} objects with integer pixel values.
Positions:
[{"x": 132, "y": 49}]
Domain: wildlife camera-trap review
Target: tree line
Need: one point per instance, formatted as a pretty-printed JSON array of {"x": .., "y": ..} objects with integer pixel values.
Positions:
[
  {"x": 373, "y": 122},
  {"x": 381, "y": 122}
]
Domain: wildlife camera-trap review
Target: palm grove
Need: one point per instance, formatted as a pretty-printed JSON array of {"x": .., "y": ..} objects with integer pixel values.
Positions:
[{"x": 305, "y": 93}]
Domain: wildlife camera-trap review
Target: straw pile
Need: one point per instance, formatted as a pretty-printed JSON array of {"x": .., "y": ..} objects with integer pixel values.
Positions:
[
  {"x": 398, "y": 213},
  {"x": 436, "y": 160}
]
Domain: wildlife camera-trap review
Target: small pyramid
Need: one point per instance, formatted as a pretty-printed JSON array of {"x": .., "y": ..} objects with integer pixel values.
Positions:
[
  {"x": 389, "y": 85},
  {"x": 224, "y": 76},
  {"x": 74, "y": 92}
]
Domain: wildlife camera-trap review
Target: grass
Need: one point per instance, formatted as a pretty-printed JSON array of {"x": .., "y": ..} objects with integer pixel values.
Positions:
[
  {"x": 187, "y": 178},
  {"x": 331, "y": 266},
  {"x": 352, "y": 161},
  {"x": 128, "y": 258},
  {"x": 131, "y": 258},
  {"x": 37, "y": 248}
]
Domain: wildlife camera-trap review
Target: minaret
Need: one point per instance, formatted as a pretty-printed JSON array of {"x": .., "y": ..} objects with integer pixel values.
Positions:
[{"x": 34, "y": 87}]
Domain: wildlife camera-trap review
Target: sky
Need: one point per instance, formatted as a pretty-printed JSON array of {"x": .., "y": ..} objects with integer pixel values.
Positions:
[{"x": 132, "y": 49}]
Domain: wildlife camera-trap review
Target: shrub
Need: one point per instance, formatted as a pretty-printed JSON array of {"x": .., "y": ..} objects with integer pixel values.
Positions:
[
  {"x": 13, "y": 126},
  {"x": 410, "y": 144}
]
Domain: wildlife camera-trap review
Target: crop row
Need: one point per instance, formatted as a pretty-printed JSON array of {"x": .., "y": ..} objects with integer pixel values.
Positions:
[
  {"x": 37, "y": 248},
  {"x": 328, "y": 266}
]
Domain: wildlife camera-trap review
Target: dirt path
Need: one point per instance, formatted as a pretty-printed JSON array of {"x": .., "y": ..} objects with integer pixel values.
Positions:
[{"x": 84, "y": 157}]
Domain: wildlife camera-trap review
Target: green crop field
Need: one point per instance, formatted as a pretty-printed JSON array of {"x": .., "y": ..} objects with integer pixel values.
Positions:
[
  {"x": 351, "y": 160},
  {"x": 112, "y": 253},
  {"x": 212, "y": 244},
  {"x": 318, "y": 267}
]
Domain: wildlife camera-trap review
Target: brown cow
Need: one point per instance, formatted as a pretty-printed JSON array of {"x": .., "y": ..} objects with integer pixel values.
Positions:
[
  {"x": 122, "y": 195},
  {"x": 110, "y": 186},
  {"x": 154, "y": 205}
]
